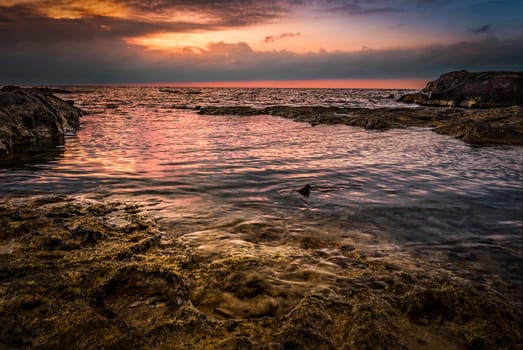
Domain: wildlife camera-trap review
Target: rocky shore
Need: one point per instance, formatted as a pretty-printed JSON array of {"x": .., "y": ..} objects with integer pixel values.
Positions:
[
  {"x": 447, "y": 101},
  {"x": 478, "y": 126},
  {"x": 32, "y": 116},
  {"x": 87, "y": 274}
]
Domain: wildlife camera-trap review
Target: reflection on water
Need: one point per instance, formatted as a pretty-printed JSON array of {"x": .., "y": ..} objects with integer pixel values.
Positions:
[{"x": 395, "y": 192}]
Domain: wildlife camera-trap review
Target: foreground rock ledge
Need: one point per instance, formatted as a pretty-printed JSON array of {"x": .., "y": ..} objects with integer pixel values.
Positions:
[
  {"x": 29, "y": 116},
  {"x": 86, "y": 274},
  {"x": 485, "y": 126}
]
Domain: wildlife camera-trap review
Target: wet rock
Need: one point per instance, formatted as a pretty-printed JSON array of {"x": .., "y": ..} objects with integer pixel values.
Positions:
[
  {"x": 488, "y": 126},
  {"x": 471, "y": 90},
  {"x": 123, "y": 288},
  {"x": 61, "y": 290},
  {"x": 477, "y": 126},
  {"x": 305, "y": 190},
  {"x": 29, "y": 116},
  {"x": 417, "y": 98}
]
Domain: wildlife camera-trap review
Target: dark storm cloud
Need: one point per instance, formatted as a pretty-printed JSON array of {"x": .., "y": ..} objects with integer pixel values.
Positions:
[
  {"x": 227, "y": 12},
  {"x": 481, "y": 29},
  {"x": 356, "y": 7},
  {"x": 234, "y": 62},
  {"x": 24, "y": 25},
  {"x": 272, "y": 38}
]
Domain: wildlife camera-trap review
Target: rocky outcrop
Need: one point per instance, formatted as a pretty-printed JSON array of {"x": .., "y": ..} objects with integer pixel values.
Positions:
[
  {"x": 29, "y": 116},
  {"x": 478, "y": 126},
  {"x": 486, "y": 126},
  {"x": 471, "y": 90}
]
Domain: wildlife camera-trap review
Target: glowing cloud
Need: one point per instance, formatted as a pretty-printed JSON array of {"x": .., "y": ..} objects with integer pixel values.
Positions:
[
  {"x": 76, "y": 9},
  {"x": 104, "y": 41}
]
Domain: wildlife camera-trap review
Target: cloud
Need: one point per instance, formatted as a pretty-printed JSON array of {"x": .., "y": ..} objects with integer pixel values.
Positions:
[
  {"x": 57, "y": 21},
  {"x": 482, "y": 29},
  {"x": 356, "y": 7},
  {"x": 87, "y": 45},
  {"x": 229, "y": 13},
  {"x": 272, "y": 38},
  {"x": 118, "y": 63},
  {"x": 24, "y": 25}
]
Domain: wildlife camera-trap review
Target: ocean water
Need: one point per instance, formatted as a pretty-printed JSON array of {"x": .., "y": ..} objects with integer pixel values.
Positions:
[{"x": 409, "y": 195}]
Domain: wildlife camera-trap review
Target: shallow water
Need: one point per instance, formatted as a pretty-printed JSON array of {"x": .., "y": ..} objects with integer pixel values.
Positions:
[{"x": 400, "y": 194}]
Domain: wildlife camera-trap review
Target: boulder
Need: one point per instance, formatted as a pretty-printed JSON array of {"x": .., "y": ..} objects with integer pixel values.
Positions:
[
  {"x": 471, "y": 90},
  {"x": 30, "y": 116}
]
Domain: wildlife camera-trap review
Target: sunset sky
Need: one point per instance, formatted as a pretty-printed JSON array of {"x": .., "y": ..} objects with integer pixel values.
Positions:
[{"x": 400, "y": 43}]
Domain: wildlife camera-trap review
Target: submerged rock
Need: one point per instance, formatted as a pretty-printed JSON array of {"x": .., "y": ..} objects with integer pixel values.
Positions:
[
  {"x": 30, "y": 116},
  {"x": 471, "y": 90}
]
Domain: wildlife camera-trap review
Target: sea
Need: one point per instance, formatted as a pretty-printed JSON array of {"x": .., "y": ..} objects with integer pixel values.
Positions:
[{"x": 410, "y": 195}]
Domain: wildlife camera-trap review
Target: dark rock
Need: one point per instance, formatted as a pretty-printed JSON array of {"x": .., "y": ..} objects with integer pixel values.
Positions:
[
  {"x": 417, "y": 98},
  {"x": 29, "y": 116},
  {"x": 305, "y": 190},
  {"x": 171, "y": 91},
  {"x": 471, "y": 90}
]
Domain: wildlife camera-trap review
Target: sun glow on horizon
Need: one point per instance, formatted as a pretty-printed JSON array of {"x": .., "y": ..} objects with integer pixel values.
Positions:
[{"x": 254, "y": 37}]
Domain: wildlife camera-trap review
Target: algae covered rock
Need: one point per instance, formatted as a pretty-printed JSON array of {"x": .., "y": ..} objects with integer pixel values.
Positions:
[
  {"x": 29, "y": 116},
  {"x": 82, "y": 273}
]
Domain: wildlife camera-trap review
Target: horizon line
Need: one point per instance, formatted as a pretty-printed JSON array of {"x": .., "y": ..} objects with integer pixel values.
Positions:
[{"x": 409, "y": 83}]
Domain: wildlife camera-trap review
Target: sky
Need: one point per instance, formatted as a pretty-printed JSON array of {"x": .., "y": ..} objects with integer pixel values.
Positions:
[{"x": 317, "y": 43}]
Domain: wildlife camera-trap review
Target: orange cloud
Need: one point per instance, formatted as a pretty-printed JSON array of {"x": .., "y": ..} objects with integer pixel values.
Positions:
[
  {"x": 76, "y": 9},
  {"x": 197, "y": 41}
]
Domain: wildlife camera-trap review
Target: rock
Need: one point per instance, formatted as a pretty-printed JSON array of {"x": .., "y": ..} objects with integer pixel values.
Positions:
[
  {"x": 417, "y": 98},
  {"x": 128, "y": 290},
  {"x": 471, "y": 90},
  {"x": 477, "y": 126},
  {"x": 305, "y": 190},
  {"x": 487, "y": 126},
  {"x": 29, "y": 116}
]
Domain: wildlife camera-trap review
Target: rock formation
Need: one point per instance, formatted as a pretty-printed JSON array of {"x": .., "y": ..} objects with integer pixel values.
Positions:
[
  {"x": 478, "y": 126},
  {"x": 29, "y": 116},
  {"x": 471, "y": 90}
]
